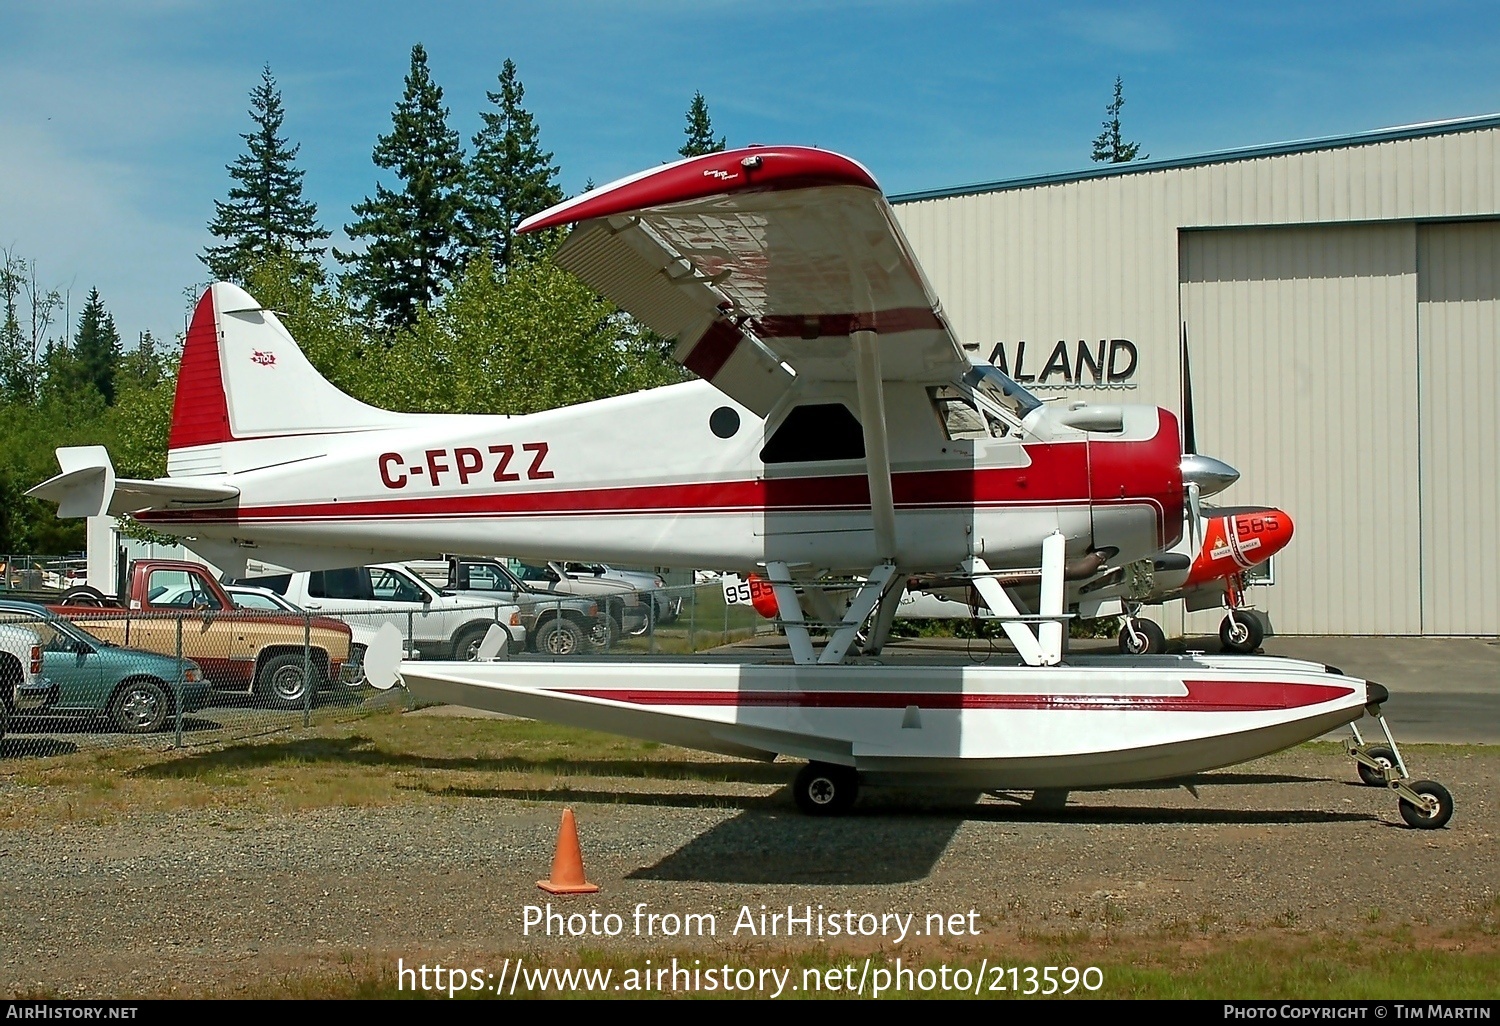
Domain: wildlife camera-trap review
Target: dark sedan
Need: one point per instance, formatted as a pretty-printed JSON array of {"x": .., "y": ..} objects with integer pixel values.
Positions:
[{"x": 85, "y": 676}]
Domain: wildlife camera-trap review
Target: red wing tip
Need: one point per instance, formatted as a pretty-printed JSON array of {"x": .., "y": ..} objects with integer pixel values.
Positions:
[{"x": 751, "y": 168}]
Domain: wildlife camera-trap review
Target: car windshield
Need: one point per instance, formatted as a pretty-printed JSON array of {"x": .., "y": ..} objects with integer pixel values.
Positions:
[{"x": 996, "y": 386}]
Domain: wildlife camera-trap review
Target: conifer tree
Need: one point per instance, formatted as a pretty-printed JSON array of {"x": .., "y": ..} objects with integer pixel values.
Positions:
[
  {"x": 416, "y": 239},
  {"x": 1109, "y": 148},
  {"x": 96, "y": 347},
  {"x": 265, "y": 214},
  {"x": 510, "y": 176},
  {"x": 699, "y": 130}
]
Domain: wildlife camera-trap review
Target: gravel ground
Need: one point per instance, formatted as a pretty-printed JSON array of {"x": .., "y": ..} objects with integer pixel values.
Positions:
[{"x": 209, "y": 900}]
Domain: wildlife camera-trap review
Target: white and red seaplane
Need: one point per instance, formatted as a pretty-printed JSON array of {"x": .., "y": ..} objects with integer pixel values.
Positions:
[{"x": 818, "y": 448}]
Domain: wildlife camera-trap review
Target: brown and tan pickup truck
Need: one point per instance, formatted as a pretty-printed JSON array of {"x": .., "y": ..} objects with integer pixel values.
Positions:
[{"x": 241, "y": 652}]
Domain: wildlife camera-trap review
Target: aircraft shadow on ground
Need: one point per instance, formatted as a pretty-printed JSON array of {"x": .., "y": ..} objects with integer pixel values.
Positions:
[
  {"x": 13, "y": 747},
  {"x": 358, "y": 750},
  {"x": 892, "y": 836}
]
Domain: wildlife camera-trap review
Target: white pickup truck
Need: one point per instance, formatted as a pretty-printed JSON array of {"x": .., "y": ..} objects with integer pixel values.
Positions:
[
  {"x": 20, "y": 671},
  {"x": 436, "y": 626}
]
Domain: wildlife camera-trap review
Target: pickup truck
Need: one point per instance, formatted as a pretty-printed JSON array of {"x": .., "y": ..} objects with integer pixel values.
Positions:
[
  {"x": 436, "y": 626},
  {"x": 20, "y": 667},
  {"x": 618, "y": 600},
  {"x": 556, "y": 625},
  {"x": 240, "y": 652}
]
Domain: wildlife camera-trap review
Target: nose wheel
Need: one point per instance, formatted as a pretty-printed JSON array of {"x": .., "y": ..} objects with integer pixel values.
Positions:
[{"x": 1423, "y": 804}]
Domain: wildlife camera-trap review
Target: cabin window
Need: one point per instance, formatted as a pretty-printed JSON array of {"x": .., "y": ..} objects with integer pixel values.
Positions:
[
  {"x": 350, "y": 583},
  {"x": 279, "y": 583},
  {"x": 817, "y": 431},
  {"x": 960, "y": 418},
  {"x": 390, "y": 586}
]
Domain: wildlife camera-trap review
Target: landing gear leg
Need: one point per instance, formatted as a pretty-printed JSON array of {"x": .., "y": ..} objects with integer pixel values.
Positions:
[
  {"x": 1239, "y": 631},
  {"x": 1423, "y": 804},
  {"x": 1139, "y": 636}
]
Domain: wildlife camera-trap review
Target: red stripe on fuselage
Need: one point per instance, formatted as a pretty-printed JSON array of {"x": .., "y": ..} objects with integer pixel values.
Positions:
[
  {"x": 1202, "y": 696},
  {"x": 1058, "y": 474}
]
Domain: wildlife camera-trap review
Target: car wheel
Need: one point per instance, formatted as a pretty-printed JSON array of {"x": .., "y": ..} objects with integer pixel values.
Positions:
[
  {"x": 647, "y": 615},
  {"x": 140, "y": 706},
  {"x": 467, "y": 641},
  {"x": 282, "y": 680},
  {"x": 354, "y": 669},
  {"x": 599, "y": 633},
  {"x": 83, "y": 595},
  {"x": 560, "y": 636}
]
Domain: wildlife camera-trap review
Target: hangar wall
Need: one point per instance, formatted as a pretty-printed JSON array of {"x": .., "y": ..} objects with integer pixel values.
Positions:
[{"x": 1340, "y": 296}]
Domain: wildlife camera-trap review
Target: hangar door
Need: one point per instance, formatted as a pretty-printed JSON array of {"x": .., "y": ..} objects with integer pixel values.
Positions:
[
  {"x": 1304, "y": 353},
  {"x": 1458, "y": 331}
]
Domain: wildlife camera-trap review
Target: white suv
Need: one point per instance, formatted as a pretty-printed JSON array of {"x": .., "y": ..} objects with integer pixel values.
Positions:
[{"x": 436, "y": 626}]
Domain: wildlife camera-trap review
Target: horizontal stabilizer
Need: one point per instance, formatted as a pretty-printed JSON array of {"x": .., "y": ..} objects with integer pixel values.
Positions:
[{"x": 87, "y": 487}]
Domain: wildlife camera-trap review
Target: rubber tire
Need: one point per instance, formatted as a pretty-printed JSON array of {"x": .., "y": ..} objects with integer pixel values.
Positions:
[
  {"x": 647, "y": 618},
  {"x": 467, "y": 641},
  {"x": 83, "y": 595},
  {"x": 1380, "y": 753},
  {"x": 560, "y": 636},
  {"x": 1416, "y": 818},
  {"x": 1155, "y": 638},
  {"x": 823, "y": 789},
  {"x": 126, "y": 710},
  {"x": 1244, "y": 641},
  {"x": 282, "y": 697},
  {"x": 361, "y": 680}
]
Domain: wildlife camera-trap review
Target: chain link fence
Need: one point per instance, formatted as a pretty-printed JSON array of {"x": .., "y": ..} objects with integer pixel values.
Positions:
[{"x": 78, "y": 677}]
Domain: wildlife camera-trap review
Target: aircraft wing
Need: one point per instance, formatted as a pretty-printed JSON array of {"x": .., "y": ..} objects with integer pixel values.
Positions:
[{"x": 761, "y": 262}]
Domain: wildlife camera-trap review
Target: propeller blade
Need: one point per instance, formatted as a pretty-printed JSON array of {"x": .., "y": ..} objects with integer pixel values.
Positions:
[
  {"x": 1189, "y": 425},
  {"x": 1195, "y": 517}
]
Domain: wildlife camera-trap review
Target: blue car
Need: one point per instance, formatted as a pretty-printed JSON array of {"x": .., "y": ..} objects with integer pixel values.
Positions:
[{"x": 85, "y": 676}]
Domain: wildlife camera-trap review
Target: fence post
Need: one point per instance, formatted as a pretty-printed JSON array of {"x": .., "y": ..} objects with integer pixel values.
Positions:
[
  {"x": 411, "y": 644},
  {"x": 693, "y": 622},
  {"x": 307, "y": 678},
  {"x": 177, "y": 741}
]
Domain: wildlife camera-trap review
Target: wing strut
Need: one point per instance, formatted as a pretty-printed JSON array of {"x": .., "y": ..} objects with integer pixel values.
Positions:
[
  {"x": 877, "y": 448},
  {"x": 1044, "y": 647}
]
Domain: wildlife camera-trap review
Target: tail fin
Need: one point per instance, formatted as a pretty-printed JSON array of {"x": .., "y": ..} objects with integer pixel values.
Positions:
[{"x": 243, "y": 377}]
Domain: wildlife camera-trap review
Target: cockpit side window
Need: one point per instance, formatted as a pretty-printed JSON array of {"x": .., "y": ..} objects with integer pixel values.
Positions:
[
  {"x": 996, "y": 387},
  {"x": 960, "y": 418},
  {"x": 814, "y": 432}
]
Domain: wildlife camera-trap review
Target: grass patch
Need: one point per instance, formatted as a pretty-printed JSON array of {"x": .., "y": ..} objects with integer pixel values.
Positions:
[{"x": 385, "y": 757}]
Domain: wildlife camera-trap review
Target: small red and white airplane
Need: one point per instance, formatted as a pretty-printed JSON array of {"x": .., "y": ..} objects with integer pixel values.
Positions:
[
  {"x": 1206, "y": 569},
  {"x": 830, "y": 444}
]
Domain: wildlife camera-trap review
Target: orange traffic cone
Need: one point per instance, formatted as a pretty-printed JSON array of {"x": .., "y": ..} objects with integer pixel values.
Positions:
[{"x": 567, "y": 863}]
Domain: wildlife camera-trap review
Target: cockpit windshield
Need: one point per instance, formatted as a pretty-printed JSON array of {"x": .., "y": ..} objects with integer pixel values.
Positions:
[{"x": 998, "y": 388}]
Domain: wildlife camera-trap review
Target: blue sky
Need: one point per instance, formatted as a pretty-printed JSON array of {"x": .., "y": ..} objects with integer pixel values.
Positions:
[{"x": 117, "y": 118}]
